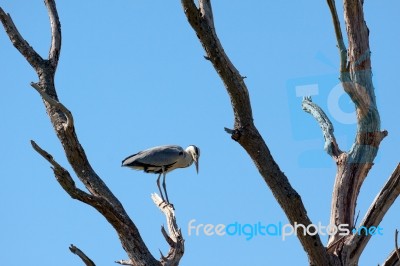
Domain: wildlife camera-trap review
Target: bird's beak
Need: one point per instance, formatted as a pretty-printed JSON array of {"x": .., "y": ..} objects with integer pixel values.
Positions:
[{"x": 196, "y": 162}]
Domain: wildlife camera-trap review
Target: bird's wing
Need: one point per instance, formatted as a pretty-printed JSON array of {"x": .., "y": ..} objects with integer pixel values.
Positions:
[{"x": 154, "y": 157}]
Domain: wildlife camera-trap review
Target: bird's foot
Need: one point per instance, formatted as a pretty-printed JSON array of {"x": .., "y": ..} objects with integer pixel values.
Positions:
[
  {"x": 166, "y": 203},
  {"x": 163, "y": 203}
]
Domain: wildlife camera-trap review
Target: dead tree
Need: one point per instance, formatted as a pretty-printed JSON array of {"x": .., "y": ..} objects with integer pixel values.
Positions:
[
  {"x": 98, "y": 196},
  {"x": 352, "y": 166}
]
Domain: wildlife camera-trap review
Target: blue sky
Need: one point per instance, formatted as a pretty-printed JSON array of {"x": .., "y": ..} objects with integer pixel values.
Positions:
[{"x": 134, "y": 76}]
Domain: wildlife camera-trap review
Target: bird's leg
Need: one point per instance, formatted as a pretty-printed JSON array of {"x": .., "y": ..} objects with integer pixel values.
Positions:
[
  {"x": 159, "y": 188},
  {"x": 164, "y": 185},
  {"x": 166, "y": 194}
]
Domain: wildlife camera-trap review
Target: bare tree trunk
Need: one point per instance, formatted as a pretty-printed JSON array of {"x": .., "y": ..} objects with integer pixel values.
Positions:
[
  {"x": 352, "y": 166},
  {"x": 99, "y": 196}
]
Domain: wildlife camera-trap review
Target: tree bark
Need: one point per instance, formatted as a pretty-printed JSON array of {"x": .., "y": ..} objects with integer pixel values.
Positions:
[
  {"x": 82, "y": 255},
  {"x": 246, "y": 133},
  {"x": 352, "y": 166},
  {"x": 99, "y": 196}
]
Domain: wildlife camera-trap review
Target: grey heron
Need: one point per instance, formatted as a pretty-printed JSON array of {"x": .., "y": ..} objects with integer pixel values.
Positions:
[{"x": 162, "y": 160}]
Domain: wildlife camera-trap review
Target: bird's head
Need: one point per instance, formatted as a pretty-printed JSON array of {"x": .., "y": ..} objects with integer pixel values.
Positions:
[{"x": 195, "y": 153}]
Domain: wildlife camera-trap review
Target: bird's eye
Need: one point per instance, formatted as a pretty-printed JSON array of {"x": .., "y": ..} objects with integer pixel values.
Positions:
[{"x": 180, "y": 153}]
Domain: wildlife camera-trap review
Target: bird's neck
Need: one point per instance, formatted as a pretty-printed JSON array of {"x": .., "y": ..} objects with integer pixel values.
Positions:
[{"x": 186, "y": 161}]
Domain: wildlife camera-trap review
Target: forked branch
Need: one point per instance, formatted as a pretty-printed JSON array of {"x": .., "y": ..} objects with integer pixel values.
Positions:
[
  {"x": 245, "y": 132},
  {"x": 355, "y": 164},
  {"x": 98, "y": 196},
  {"x": 174, "y": 236}
]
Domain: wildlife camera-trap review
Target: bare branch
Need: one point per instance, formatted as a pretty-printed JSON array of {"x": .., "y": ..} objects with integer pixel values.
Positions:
[
  {"x": 331, "y": 146},
  {"x": 55, "y": 103},
  {"x": 246, "y": 133},
  {"x": 361, "y": 90},
  {"x": 231, "y": 77},
  {"x": 80, "y": 254},
  {"x": 396, "y": 245},
  {"x": 206, "y": 11},
  {"x": 175, "y": 238},
  {"x": 340, "y": 43},
  {"x": 129, "y": 235},
  {"x": 392, "y": 259},
  {"x": 65, "y": 179},
  {"x": 376, "y": 212},
  {"x": 356, "y": 78},
  {"x": 355, "y": 221},
  {"x": 33, "y": 58},
  {"x": 100, "y": 197},
  {"x": 55, "y": 24}
]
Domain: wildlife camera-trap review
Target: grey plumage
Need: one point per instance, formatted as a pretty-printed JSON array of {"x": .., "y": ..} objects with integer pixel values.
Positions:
[{"x": 163, "y": 159}]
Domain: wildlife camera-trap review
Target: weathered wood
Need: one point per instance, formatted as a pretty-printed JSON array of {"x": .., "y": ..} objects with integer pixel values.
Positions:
[
  {"x": 331, "y": 146},
  {"x": 82, "y": 255},
  {"x": 99, "y": 196},
  {"x": 396, "y": 244},
  {"x": 246, "y": 133},
  {"x": 352, "y": 166},
  {"x": 392, "y": 260},
  {"x": 174, "y": 238}
]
